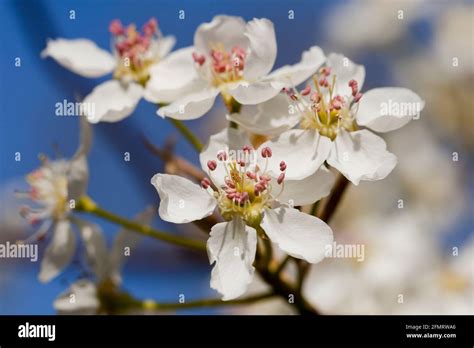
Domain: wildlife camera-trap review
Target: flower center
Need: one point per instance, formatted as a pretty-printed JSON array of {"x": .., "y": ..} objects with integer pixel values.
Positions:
[
  {"x": 49, "y": 188},
  {"x": 134, "y": 50},
  {"x": 247, "y": 189},
  {"x": 322, "y": 109},
  {"x": 224, "y": 66}
]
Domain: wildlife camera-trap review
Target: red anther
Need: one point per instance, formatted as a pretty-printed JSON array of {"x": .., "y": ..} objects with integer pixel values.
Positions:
[
  {"x": 323, "y": 82},
  {"x": 222, "y": 156},
  {"x": 229, "y": 183},
  {"x": 326, "y": 71},
  {"x": 259, "y": 187},
  {"x": 315, "y": 97},
  {"x": 293, "y": 97},
  {"x": 282, "y": 166},
  {"x": 244, "y": 196},
  {"x": 217, "y": 55},
  {"x": 150, "y": 27},
  {"x": 212, "y": 165},
  {"x": 231, "y": 195},
  {"x": 281, "y": 178},
  {"x": 352, "y": 83},
  {"x": 242, "y": 163},
  {"x": 357, "y": 97},
  {"x": 239, "y": 52},
  {"x": 205, "y": 183},
  {"x": 306, "y": 90},
  {"x": 336, "y": 104},
  {"x": 198, "y": 58},
  {"x": 266, "y": 152},
  {"x": 247, "y": 148},
  {"x": 251, "y": 175},
  {"x": 116, "y": 27},
  {"x": 265, "y": 178}
]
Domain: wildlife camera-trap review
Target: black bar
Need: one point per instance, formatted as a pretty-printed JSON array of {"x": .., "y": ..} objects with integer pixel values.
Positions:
[{"x": 288, "y": 330}]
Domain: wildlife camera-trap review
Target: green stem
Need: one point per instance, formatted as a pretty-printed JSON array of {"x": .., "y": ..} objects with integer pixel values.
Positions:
[
  {"x": 188, "y": 134},
  {"x": 151, "y": 305},
  {"x": 86, "y": 205}
]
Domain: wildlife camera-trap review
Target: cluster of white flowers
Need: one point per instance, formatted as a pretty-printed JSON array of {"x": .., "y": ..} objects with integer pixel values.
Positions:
[{"x": 257, "y": 188}]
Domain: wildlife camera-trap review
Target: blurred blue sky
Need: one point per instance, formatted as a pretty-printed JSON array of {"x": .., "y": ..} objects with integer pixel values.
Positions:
[{"x": 28, "y": 123}]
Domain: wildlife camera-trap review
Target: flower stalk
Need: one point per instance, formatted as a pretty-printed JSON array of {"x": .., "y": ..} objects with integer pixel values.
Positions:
[{"x": 86, "y": 205}]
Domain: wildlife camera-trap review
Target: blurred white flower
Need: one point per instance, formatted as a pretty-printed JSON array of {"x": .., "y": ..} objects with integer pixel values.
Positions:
[
  {"x": 251, "y": 201},
  {"x": 370, "y": 23},
  {"x": 83, "y": 296},
  {"x": 398, "y": 252},
  {"x": 230, "y": 57},
  {"x": 330, "y": 117},
  {"x": 134, "y": 55},
  {"x": 55, "y": 187}
]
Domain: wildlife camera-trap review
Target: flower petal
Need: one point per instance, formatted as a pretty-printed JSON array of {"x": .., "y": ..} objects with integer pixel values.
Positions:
[
  {"x": 226, "y": 30},
  {"x": 164, "y": 45},
  {"x": 191, "y": 106},
  {"x": 345, "y": 70},
  {"x": 304, "y": 151},
  {"x": 262, "y": 48},
  {"x": 80, "y": 298},
  {"x": 300, "y": 235},
  {"x": 308, "y": 190},
  {"x": 173, "y": 77},
  {"x": 293, "y": 75},
  {"x": 125, "y": 241},
  {"x": 232, "y": 246},
  {"x": 181, "y": 200},
  {"x": 229, "y": 140},
  {"x": 77, "y": 177},
  {"x": 81, "y": 56},
  {"x": 361, "y": 155},
  {"x": 389, "y": 108},
  {"x": 255, "y": 93},
  {"x": 113, "y": 101},
  {"x": 96, "y": 248},
  {"x": 271, "y": 118},
  {"x": 59, "y": 252}
]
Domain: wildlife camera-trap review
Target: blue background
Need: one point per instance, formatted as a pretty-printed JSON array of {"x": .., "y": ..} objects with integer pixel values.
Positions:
[{"x": 28, "y": 124}]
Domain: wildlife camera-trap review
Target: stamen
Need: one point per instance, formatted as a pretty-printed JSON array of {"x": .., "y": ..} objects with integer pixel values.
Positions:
[{"x": 212, "y": 165}]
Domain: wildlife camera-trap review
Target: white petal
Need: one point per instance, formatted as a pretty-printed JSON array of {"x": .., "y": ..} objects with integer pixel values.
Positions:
[
  {"x": 124, "y": 243},
  {"x": 308, "y": 190},
  {"x": 226, "y": 30},
  {"x": 59, "y": 252},
  {"x": 300, "y": 235},
  {"x": 81, "y": 56},
  {"x": 191, "y": 106},
  {"x": 173, "y": 77},
  {"x": 271, "y": 118},
  {"x": 229, "y": 140},
  {"x": 293, "y": 75},
  {"x": 112, "y": 101},
  {"x": 262, "y": 48},
  {"x": 77, "y": 177},
  {"x": 164, "y": 45},
  {"x": 304, "y": 151},
  {"x": 361, "y": 155},
  {"x": 389, "y": 108},
  {"x": 256, "y": 92},
  {"x": 232, "y": 246},
  {"x": 181, "y": 200},
  {"x": 80, "y": 299},
  {"x": 345, "y": 70},
  {"x": 96, "y": 248}
]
